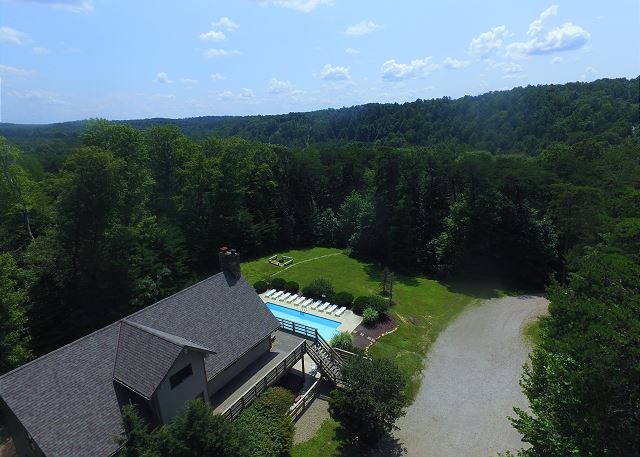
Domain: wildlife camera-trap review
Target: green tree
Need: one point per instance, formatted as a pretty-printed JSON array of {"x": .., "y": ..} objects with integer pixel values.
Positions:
[
  {"x": 135, "y": 437},
  {"x": 582, "y": 382},
  {"x": 14, "y": 336},
  {"x": 371, "y": 400}
]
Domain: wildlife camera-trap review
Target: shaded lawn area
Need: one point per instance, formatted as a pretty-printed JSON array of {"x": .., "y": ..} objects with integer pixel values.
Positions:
[{"x": 424, "y": 306}]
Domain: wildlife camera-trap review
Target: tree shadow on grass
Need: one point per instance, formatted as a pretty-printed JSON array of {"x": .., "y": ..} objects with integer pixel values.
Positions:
[
  {"x": 389, "y": 446},
  {"x": 374, "y": 271}
]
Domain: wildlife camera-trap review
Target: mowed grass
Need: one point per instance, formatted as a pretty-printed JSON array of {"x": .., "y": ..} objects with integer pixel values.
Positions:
[{"x": 423, "y": 306}]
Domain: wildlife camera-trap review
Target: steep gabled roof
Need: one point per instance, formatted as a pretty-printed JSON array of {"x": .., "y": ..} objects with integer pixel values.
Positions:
[
  {"x": 67, "y": 400},
  {"x": 144, "y": 356}
]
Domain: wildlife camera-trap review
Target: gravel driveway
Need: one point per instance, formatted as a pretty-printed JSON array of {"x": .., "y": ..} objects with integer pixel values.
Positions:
[{"x": 470, "y": 384}]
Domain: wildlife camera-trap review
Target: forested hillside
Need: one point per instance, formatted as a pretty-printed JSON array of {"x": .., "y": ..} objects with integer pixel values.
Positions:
[{"x": 522, "y": 120}]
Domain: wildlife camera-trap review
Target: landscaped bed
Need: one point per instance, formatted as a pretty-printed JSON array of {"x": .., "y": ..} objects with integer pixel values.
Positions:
[{"x": 364, "y": 335}]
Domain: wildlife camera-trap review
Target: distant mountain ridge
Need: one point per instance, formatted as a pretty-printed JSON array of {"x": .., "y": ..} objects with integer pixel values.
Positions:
[{"x": 523, "y": 119}]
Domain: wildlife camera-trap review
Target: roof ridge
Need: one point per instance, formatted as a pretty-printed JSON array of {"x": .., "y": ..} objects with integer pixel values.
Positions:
[
  {"x": 43, "y": 356},
  {"x": 106, "y": 327},
  {"x": 147, "y": 329}
]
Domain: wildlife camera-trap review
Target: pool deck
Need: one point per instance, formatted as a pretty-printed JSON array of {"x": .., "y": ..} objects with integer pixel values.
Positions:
[{"x": 348, "y": 321}]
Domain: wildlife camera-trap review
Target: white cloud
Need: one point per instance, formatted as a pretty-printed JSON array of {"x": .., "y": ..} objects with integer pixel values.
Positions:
[
  {"x": 75, "y": 6},
  {"x": 277, "y": 86},
  {"x": 40, "y": 51},
  {"x": 557, "y": 59},
  {"x": 454, "y": 63},
  {"x": 226, "y": 23},
  {"x": 49, "y": 98},
  {"x": 331, "y": 73},
  {"x": 189, "y": 81},
  {"x": 212, "y": 35},
  {"x": 13, "y": 36},
  {"x": 589, "y": 72},
  {"x": 215, "y": 52},
  {"x": 417, "y": 68},
  {"x": 352, "y": 51},
  {"x": 7, "y": 71},
  {"x": 510, "y": 70},
  {"x": 246, "y": 93},
  {"x": 487, "y": 42},
  {"x": 227, "y": 94},
  {"x": 536, "y": 26},
  {"x": 363, "y": 28},
  {"x": 305, "y": 6},
  {"x": 564, "y": 38},
  {"x": 216, "y": 77},
  {"x": 162, "y": 78}
]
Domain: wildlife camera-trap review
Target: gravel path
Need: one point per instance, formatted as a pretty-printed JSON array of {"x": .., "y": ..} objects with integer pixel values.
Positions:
[{"x": 470, "y": 384}]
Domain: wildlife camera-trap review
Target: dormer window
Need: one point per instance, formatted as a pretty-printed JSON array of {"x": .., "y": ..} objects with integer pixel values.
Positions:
[{"x": 176, "y": 379}]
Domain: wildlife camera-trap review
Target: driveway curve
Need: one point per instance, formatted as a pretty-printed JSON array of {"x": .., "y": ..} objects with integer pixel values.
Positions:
[{"x": 470, "y": 383}]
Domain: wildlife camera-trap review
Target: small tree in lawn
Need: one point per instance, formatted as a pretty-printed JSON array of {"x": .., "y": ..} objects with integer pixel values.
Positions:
[
  {"x": 371, "y": 400},
  {"x": 388, "y": 279}
]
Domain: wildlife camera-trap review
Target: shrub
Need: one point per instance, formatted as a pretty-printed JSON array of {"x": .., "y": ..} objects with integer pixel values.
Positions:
[
  {"x": 371, "y": 399},
  {"x": 292, "y": 287},
  {"x": 359, "y": 304},
  {"x": 319, "y": 289},
  {"x": 379, "y": 304},
  {"x": 278, "y": 283},
  {"x": 260, "y": 286},
  {"x": 343, "y": 299},
  {"x": 264, "y": 428},
  {"x": 343, "y": 340},
  {"x": 370, "y": 315}
]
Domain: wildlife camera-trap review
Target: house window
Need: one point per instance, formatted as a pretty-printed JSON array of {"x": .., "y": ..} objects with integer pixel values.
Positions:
[{"x": 180, "y": 376}]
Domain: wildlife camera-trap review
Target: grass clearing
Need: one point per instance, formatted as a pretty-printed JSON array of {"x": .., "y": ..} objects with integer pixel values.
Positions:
[
  {"x": 423, "y": 306},
  {"x": 531, "y": 331}
]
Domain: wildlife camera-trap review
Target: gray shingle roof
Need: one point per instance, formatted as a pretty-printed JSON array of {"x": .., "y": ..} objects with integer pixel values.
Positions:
[
  {"x": 145, "y": 355},
  {"x": 67, "y": 400}
]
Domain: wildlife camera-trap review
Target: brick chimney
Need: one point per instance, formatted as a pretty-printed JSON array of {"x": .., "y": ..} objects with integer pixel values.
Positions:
[{"x": 229, "y": 261}]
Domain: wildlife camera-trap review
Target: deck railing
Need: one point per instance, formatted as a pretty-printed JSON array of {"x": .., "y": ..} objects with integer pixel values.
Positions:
[
  {"x": 269, "y": 379},
  {"x": 304, "y": 401}
]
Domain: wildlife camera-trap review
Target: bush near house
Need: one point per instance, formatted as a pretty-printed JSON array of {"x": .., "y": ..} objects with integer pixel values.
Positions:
[
  {"x": 292, "y": 287},
  {"x": 260, "y": 286},
  {"x": 343, "y": 340},
  {"x": 278, "y": 283},
  {"x": 265, "y": 429},
  {"x": 381, "y": 305},
  {"x": 370, "y": 316},
  {"x": 319, "y": 289},
  {"x": 343, "y": 299}
]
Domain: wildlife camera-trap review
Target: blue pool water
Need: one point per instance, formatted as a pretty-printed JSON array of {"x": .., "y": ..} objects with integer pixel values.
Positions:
[{"x": 326, "y": 327}]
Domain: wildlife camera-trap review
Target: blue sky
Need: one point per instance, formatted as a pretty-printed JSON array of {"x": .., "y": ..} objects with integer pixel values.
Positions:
[{"x": 75, "y": 59}]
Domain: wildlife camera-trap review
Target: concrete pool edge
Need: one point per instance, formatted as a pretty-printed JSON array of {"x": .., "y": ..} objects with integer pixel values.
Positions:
[{"x": 348, "y": 321}]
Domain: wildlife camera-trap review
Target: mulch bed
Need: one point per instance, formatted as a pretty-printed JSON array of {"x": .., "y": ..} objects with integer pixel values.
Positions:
[{"x": 365, "y": 335}]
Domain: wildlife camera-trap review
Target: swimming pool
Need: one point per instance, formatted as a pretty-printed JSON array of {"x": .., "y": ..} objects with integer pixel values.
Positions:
[{"x": 326, "y": 327}]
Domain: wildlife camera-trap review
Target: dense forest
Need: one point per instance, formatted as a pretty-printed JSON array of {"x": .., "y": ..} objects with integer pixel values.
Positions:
[{"x": 534, "y": 186}]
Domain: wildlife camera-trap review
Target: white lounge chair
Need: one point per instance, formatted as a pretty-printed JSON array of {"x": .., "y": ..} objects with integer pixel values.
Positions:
[
  {"x": 285, "y": 296},
  {"x": 307, "y": 302},
  {"x": 292, "y": 298},
  {"x": 339, "y": 311},
  {"x": 316, "y": 304},
  {"x": 269, "y": 292},
  {"x": 299, "y": 300},
  {"x": 324, "y": 306},
  {"x": 331, "y": 309},
  {"x": 277, "y": 294}
]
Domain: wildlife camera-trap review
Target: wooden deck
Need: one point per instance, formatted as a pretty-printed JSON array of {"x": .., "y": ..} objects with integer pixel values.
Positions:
[{"x": 284, "y": 345}]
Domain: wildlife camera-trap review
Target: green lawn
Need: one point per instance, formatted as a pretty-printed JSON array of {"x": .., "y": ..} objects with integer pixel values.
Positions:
[{"x": 424, "y": 307}]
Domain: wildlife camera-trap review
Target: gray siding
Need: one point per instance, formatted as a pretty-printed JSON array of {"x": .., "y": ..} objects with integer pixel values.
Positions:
[
  {"x": 243, "y": 362},
  {"x": 172, "y": 401}
]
